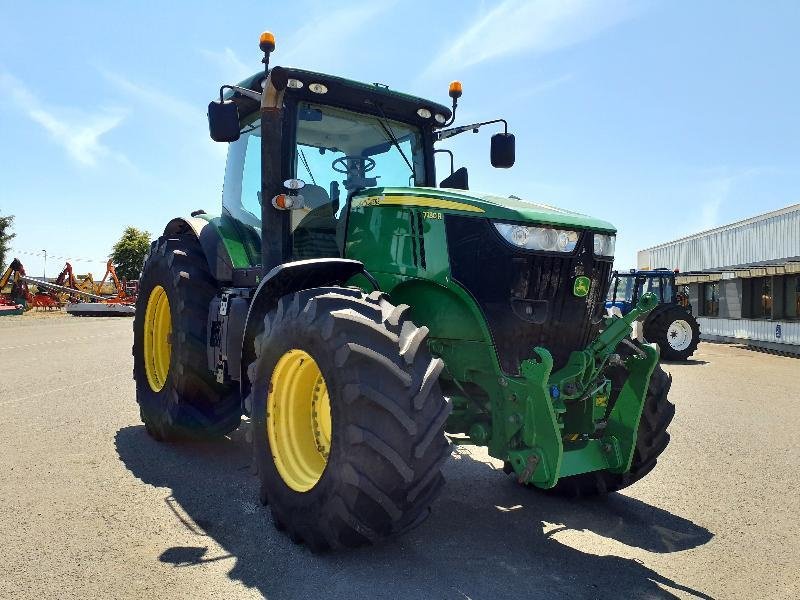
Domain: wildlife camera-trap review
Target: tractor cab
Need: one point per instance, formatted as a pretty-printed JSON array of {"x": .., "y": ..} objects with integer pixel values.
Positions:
[
  {"x": 627, "y": 287},
  {"x": 331, "y": 140},
  {"x": 339, "y": 137}
]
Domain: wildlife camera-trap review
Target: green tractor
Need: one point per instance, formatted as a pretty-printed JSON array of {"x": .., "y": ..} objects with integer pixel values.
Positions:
[{"x": 365, "y": 319}]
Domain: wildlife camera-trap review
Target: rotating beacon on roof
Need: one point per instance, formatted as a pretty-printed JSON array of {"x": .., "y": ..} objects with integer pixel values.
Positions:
[{"x": 356, "y": 311}]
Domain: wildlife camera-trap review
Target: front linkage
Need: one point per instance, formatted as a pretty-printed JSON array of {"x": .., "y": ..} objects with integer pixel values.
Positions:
[{"x": 554, "y": 425}]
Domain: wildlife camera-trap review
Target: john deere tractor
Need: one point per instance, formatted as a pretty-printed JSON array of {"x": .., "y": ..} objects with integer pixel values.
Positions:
[{"x": 365, "y": 318}]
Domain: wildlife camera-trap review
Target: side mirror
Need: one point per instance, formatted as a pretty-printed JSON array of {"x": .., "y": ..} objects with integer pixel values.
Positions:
[
  {"x": 503, "y": 150},
  {"x": 223, "y": 121}
]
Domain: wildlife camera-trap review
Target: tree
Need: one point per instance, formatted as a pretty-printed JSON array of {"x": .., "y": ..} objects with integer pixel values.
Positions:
[
  {"x": 129, "y": 252},
  {"x": 5, "y": 237}
]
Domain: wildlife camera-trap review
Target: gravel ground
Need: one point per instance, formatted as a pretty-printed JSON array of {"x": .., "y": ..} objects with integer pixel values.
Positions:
[{"x": 90, "y": 507}]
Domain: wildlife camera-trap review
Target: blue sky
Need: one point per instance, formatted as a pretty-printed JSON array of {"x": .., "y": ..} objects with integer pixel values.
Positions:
[{"x": 664, "y": 118}]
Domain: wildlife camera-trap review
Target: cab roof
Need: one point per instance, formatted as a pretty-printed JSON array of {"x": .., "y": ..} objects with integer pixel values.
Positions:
[{"x": 349, "y": 93}]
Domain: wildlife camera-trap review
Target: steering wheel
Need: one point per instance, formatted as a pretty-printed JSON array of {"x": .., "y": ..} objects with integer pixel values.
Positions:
[{"x": 369, "y": 163}]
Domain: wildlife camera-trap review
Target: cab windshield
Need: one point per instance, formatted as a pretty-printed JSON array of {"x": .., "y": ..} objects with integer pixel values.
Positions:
[
  {"x": 626, "y": 285},
  {"x": 622, "y": 289},
  {"x": 342, "y": 150}
]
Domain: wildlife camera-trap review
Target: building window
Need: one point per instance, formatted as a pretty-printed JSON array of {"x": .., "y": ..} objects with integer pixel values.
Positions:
[
  {"x": 711, "y": 299},
  {"x": 792, "y": 306},
  {"x": 666, "y": 289},
  {"x": 766, "y": 298},
  {"x": 761, "y": 295},
  {"x": 682, "y": 296}
]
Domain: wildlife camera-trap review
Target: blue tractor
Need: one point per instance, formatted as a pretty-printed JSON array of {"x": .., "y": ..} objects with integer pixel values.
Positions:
[{"x": 671, "y": 324}]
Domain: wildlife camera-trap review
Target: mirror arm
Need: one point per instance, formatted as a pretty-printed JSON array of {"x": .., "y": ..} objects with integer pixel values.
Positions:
[
  {"x": 243, "y": 91},
  {"x": 443, "y": 134}
]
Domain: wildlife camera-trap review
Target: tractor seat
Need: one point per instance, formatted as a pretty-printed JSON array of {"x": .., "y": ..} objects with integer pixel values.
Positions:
[
  {"x": 315, "y": 235},
  {"x": 315, "y": 196}
]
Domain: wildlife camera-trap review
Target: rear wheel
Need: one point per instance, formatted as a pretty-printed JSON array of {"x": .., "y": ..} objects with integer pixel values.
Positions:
[
  {"x": 675, "y": 331},
  {"x": 178, "y": 397},
  {"x": 348, "y": 418},
  {"x": 652, "y": 439}
]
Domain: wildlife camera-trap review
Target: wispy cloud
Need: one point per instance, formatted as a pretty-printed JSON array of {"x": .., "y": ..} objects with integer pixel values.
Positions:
[
  {"x": 191, "y": 118},
  {"x": 330, "y": 31},
  {"x": 544, "y": 86},
  {"x": 230, "y": 65},
  {"x": 716, "y": 191},
  {"x": 527, "y": 26},
  {"x": 76, "y": 131},
  {"x": 323, "y": 42},
  {"x": 156, "y": 97}
]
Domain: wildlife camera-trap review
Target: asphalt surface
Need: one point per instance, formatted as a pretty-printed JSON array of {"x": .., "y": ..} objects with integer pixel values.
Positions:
[{"x": 91, "y": 507}]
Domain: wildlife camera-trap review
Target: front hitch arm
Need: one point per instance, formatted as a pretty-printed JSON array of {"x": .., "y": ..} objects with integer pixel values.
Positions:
[
  {"x": 539, "y": 461},
  {"x": 619, "y": 328}
]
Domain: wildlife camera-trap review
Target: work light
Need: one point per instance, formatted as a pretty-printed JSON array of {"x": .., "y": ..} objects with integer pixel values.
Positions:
[
  {"x": 604, "y": 244},
  {"x": 546, "y": 239}
]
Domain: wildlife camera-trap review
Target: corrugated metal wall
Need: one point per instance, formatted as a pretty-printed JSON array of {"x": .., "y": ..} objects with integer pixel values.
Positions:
[
  {"x": 773, "y": 236},
  {"x": 747, "y": 329}
]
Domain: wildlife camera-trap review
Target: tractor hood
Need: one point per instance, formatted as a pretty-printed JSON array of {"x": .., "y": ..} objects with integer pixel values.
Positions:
[{"x": 479, "y": 204}]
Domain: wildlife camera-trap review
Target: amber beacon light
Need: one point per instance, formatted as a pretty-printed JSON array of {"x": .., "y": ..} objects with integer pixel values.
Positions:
[{"x": 266, "y": 42}]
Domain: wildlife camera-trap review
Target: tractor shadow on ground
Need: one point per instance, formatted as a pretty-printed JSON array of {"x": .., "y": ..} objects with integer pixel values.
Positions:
[
  {"x": 691, "y": 362},
  {"x": 487, "y": 537}
]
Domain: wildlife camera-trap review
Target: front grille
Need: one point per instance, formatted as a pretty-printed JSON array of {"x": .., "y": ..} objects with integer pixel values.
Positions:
[{"x": 527, "y": 297}]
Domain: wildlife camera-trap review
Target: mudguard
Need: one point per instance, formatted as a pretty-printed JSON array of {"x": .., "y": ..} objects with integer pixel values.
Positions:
[
  {"x": 286, "y": 279},
  {"x": 219, "y": 260}
]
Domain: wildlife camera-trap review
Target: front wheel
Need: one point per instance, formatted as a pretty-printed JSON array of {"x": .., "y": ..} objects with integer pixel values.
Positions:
[
  {"x": 348, "y": 418},
  {"x": 675, "y": 331}
]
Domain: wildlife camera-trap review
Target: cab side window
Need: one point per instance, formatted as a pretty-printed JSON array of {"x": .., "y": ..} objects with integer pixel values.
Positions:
[{"x": 241, "y": 190}]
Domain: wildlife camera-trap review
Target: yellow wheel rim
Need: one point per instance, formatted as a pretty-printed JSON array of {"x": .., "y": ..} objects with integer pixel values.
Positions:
[
  {"x": 157, "y": 342},
  {"x": 299, "y": 420}
]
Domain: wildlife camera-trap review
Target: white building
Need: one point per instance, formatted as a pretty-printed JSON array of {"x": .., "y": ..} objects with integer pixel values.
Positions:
[{"x": 743, "y": 279}]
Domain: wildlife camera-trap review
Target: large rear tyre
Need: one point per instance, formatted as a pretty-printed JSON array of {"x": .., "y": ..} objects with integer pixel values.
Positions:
[
  {"x": 676, "y": 332},
  {"x": 652, "y": 439},
  {"x": 348, "y": 418},
  {"x": 178, "y": 397}
]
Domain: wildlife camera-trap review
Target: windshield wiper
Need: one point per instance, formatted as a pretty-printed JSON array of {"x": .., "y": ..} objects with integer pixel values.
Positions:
[
  {"x": 392, "y": 138},
  {"x": 305, "y": 164}
]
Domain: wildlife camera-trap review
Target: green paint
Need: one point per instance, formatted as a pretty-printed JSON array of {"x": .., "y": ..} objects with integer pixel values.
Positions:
[
  {"x": 518, "y": 418},
  {"x": 497, "y": 207},
  {"x": 241, "y": 242}
]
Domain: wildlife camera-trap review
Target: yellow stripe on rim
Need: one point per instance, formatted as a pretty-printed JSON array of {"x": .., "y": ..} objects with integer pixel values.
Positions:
[
  {"x": 299, "y": 420},
  {"x": 421, "y": 201},
  {"x": 157, "y": 342}
]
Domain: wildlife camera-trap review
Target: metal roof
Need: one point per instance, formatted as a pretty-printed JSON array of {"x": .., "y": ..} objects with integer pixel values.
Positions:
[{"x": 768, "y": 240}]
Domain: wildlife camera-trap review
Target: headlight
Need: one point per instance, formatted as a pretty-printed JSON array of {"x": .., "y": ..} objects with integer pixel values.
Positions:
[
  {"x": 604, "y": 244},
  {"x": 539, "y": 238}
]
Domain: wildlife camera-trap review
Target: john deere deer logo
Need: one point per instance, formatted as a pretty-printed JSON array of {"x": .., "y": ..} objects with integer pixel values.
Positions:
[{"x": 581, "y": 286}]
